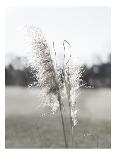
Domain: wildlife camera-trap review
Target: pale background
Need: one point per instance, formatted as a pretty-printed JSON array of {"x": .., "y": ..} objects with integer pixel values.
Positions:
[{"x": 86, "y": 29}]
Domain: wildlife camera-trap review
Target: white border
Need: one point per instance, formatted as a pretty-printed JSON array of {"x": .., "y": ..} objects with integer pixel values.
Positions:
[
  {"x": 84, "y": 3},
  {"x": 8, "y": 3}
]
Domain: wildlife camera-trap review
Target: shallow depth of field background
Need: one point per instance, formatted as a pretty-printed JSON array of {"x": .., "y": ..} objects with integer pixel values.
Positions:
[
  {"x": 28, "y": 123},
  {"x": 24, "y": 120}
]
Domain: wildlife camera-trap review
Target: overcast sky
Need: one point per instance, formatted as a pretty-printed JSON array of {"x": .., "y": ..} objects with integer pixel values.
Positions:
[{"x": 87, "y": 29}]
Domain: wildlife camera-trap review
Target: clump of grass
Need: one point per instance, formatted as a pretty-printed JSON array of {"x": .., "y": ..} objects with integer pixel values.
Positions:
[
  {"x": 72, "y": 80},
  {"x": 47, "y": 77},
  {"x": 45, "y": 72}
]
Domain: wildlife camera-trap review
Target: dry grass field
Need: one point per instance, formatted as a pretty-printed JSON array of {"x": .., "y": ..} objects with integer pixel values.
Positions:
[{"x": 27, "y": 128}]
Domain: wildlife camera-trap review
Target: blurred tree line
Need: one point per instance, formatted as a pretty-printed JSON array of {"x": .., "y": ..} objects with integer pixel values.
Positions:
[{"x": 95, "y": 76}]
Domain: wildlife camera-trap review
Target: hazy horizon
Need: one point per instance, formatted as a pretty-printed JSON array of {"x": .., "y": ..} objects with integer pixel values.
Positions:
[{"x": 87, "y": 29}]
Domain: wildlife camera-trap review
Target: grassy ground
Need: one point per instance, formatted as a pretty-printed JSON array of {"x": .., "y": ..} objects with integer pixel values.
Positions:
[
  {"x": 22, "y": 132},
  {"x": 25, "y": 128}
]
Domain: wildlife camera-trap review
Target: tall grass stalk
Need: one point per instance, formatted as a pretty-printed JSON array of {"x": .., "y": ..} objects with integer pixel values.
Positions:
[
  {"x": 45, "y": 71},
  {"x": 47, "y": 78},
  {"x": 60, "y": 104},
  {"x": 62, "y": 119},
  {"x": 68, "y": 89}
]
